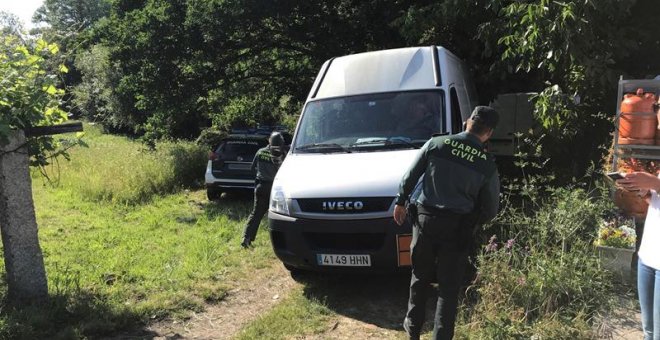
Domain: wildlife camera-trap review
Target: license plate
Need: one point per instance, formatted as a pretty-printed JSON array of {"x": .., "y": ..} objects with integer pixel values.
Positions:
[
  {"x": 239, "y": 166},
  {"x": 343, "y": 260}
]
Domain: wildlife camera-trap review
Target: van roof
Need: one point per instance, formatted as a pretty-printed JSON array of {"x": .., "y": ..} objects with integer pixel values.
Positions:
[{"x": 401, "y": 69}]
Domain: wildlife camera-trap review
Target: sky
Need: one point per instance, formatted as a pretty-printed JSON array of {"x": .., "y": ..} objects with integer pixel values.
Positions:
[{"x": 22, "y": 8}]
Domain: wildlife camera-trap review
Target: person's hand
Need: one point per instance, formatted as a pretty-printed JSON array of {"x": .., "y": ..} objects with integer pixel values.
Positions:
[
  {"x": 643, "y": 192},
  {"x": 639, "y": 181},
  {"x": 399, "y": 214}
]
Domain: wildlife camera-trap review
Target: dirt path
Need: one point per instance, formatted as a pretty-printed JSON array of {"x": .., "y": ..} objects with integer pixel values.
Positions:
[
  {"x": 366, "y": 307},
  {"x": 225, "y": 319},
  {"x": 623, "y": 323}
]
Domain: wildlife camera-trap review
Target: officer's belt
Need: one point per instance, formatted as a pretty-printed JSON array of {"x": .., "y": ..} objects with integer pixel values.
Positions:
[{"x": 427, "y": 210}]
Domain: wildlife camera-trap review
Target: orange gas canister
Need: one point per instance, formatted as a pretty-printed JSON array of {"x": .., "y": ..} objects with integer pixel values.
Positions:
[{"x": 638, "y": 120}]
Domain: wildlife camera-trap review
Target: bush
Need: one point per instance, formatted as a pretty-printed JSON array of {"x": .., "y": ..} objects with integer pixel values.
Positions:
[{"x": 544, "y": 281}]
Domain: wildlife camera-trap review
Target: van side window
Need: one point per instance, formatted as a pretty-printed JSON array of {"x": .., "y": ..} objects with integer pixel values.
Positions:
[{"x": 456, "y": 118}]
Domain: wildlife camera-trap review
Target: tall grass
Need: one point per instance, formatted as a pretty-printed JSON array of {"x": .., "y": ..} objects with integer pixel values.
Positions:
[
  {"x": 539, "y": 275},
  {"x": 118, "y": 170}
]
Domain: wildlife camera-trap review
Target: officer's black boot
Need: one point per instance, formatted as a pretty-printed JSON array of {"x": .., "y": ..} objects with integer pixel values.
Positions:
[{"x": 412, "y": 334}]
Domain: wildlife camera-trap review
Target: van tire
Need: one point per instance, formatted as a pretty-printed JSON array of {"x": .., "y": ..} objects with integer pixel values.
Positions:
[
  {"x": 213, "y": 194},
  {"x": 296, "y": 273}
]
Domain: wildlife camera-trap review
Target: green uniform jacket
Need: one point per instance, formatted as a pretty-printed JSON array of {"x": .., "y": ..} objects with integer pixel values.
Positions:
[
  {"x": 267, "y": 161},
  {"x": 458, "y": 176}
]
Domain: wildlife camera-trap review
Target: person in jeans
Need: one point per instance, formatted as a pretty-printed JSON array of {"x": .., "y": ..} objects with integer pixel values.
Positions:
[
  {"x": 460, "y": 190},
  {"x": 648, "y": 264},
  {"x": 266, "y": 161}
]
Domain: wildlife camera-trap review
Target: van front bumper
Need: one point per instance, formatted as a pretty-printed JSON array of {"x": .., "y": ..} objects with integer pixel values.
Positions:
[{"x": 297, "y": 242}]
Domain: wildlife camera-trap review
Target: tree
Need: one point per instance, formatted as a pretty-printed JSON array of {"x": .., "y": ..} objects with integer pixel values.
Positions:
[
  {"x": 10, "y": 24},
  {"x": 28, "y": 97},
  {"x": 69, "y": 17},
  {"x": 94, "y": 95},
  {"x": 217, "y": 61},
  {"x": 575, "y": 47},
  {"x": 178, "y": 66},
  {"x": 571, "y": 52},
  {"x": 69, "y": 24}
]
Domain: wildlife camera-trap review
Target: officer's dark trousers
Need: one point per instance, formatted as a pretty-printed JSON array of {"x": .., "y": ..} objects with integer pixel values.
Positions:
[
  {"x": 261, "y": 201},
  {"x": 439, "y": 248}
]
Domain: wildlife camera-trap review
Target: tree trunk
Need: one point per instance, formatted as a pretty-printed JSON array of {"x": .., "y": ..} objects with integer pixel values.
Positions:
[{"x": 26, "y": 274}]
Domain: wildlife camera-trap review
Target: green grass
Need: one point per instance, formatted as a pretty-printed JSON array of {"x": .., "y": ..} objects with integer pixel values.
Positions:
[
  {"x": 113, "y": 262},
  {"x": 294, "y": 317},
  {"x": 116, "y": 169}
]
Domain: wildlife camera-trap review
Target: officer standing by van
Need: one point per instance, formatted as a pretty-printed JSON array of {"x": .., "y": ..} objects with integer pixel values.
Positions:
[
  {"x": 460, "y": 190},
  {"x": 267, "y": 161}
]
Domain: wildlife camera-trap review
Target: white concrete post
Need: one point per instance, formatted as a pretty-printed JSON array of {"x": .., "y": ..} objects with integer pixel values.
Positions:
[{"x": 26, "y": 274}]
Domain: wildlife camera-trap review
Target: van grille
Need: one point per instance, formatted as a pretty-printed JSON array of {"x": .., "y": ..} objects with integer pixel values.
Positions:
[
  {"x": 348, "y": 205},
  {"x": 344, "y": 242}
]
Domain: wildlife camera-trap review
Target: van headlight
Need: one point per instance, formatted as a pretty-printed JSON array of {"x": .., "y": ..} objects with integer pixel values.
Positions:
[{"x": 278, "y": 202}]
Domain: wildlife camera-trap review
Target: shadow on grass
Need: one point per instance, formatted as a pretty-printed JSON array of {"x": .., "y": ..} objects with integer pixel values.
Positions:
[
  {"x": 82, "y": 315},
  {"x": 235, "y": 205},
  {"x": 377, "y": 299}
]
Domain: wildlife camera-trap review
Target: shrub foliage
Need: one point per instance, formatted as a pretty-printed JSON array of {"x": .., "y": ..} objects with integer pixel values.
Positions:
[{"x": 539, "y": 275}]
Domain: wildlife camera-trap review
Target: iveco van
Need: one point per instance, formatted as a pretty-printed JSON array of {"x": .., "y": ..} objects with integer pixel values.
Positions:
[{"x": 363, "y": 122}]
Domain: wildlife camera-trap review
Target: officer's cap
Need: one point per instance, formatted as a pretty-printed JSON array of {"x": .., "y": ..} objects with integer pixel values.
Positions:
[
  {"x": 276, "y": 139},
  {"x": 486, "y": 115}
]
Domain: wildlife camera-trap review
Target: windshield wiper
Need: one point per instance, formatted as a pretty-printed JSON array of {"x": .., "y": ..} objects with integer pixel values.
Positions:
[
  {"x": 322, "y": 146},
  {"x": 399, "y": 141},
  {"x": 370, "y": 141},
  {"x": 386, "y": 142}
]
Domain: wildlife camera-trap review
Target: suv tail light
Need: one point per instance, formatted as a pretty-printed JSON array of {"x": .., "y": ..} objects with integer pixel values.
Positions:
[{"x": 212, "y": 156}]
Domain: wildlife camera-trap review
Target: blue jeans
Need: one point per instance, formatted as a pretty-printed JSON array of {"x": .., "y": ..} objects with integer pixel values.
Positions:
[{"x": 648, "y": 287}]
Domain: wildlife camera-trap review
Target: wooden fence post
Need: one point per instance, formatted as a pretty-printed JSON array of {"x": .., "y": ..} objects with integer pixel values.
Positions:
[{"x": 26, "y": 274}]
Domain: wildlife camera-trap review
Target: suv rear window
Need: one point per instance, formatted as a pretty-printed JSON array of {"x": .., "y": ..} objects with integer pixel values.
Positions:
[{"x": 245, "y": 149}]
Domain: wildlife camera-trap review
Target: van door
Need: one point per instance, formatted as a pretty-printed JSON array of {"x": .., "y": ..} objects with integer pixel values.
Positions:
[
  {"x": 456, "y": 116},
  {"x": 460, "y": 107}
]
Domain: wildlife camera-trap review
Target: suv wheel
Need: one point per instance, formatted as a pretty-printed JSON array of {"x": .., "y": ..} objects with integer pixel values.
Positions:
[{"x": 213, "y": 194}]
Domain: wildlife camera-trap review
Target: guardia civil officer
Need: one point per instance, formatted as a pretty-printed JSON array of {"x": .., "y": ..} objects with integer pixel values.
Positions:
[
  {"x": 266, "y": 161},
  {"x": 460, "y": 190}
]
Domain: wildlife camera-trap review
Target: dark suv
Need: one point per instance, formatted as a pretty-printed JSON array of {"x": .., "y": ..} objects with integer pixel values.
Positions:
[{"x": 230, "y": 163}]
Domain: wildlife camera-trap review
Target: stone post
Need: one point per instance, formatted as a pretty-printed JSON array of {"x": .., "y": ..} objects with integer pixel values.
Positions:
[{"x": 26, "y": 274}]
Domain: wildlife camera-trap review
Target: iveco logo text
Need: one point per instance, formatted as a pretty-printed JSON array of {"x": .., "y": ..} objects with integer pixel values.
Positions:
[{"x": 349, "y": 205}]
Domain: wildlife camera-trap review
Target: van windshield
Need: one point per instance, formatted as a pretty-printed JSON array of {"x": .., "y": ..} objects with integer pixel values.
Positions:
[{"x": 370, "y": 122}]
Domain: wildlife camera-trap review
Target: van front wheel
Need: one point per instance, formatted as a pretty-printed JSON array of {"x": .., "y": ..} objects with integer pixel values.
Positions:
[
  {"x": 213, "y": 194},
  {"x": 296, "y": 273}
]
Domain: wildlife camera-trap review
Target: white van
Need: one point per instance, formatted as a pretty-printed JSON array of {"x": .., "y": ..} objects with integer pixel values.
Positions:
[{"x": 365, "y": 118}]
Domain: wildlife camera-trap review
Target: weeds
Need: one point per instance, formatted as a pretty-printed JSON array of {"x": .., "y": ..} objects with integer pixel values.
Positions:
[
  {"x": 118, "y": 170},
  {"x": 540, "y": 277}
]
